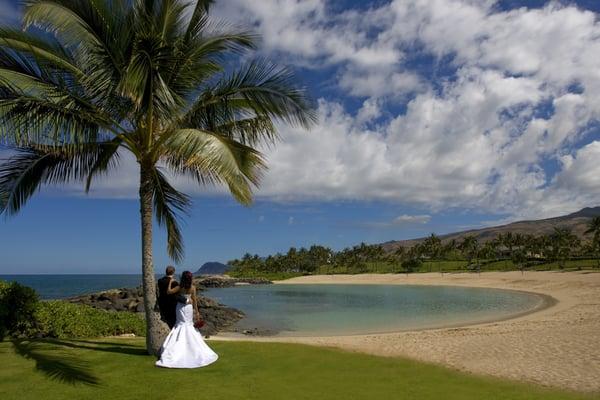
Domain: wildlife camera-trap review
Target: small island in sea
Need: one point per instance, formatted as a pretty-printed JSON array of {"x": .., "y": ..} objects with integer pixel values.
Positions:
[{"x": 212, "y": 268}]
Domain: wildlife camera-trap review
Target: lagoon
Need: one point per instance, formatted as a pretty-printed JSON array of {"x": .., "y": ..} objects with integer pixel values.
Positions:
[{"x": 339, "y": 309}]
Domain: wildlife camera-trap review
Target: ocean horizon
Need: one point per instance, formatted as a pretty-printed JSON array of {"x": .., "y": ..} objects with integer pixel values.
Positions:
[{"x": 60, "y": 286}]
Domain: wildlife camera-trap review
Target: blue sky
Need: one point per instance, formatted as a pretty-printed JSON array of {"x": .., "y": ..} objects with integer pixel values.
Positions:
[{"x": 434, "y": 116}]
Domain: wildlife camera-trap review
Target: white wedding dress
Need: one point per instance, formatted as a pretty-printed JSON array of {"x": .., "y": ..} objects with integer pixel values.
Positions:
[{"x": 184, "y": 347}]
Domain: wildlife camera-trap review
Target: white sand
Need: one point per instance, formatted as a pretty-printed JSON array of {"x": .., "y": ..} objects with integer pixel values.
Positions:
[{"x": 558, "y": 346}]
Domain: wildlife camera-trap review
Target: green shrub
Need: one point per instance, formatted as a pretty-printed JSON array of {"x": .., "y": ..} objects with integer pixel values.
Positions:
[
  {"x": 23, "y": 315},
  {"x": 62, "y": 320},
  {"x": 411, "y": 265},
  {"x": 18, "y": 304}
]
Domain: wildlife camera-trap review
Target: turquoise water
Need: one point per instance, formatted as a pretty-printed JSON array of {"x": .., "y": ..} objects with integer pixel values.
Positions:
[{"x": 297, "y": 310}]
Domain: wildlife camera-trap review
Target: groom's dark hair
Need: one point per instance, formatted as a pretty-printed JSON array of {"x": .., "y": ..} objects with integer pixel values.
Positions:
[{"x": 170, "y": 270}]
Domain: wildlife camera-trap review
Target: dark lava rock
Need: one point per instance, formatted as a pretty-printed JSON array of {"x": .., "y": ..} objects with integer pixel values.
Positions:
[
  {"x": 255, "y": 332},
  {"x": 221, "y": 281},
  {"x": 216, "y": 316}
]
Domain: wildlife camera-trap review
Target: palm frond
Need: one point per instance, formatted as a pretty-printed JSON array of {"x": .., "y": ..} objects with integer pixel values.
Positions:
[
  {"x": 28, "y": 120},
  {"x": 198, "y": 18},
  {"x": 46, "y": 51},
  {"x": 250, "y": 131},
  {"x": 23, "y": 174},
  {"x": 215, "y": 158},
  {"x": 167, "y": 203},
  {"x": 97, "y": 31},
  {"x": 143, "y": 81},
  {"x": 107, "y": 159},
  {"x": 198, "y": 58},
  {"x": 257, "y": 90}
]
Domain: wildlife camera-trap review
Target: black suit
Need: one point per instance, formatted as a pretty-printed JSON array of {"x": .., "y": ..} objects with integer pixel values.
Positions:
[{"x": 167, "y": 302}]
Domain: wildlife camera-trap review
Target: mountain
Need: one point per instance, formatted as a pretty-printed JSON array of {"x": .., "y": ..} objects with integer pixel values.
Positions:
[
  {"x": 212, "y": 268},
  {"x": 576, "y": 221}
]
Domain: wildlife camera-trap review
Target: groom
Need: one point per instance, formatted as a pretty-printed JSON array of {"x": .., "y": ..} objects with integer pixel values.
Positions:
[{"x": 167, "y": 302}]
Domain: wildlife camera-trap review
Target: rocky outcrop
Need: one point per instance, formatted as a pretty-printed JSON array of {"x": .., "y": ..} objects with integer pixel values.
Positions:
[
  {"x": 217, "y": 316},
  {"x": 221, "y": 281}
]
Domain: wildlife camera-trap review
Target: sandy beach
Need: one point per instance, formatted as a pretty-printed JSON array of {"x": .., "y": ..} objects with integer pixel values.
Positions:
[{"x": 558, "y": 346}]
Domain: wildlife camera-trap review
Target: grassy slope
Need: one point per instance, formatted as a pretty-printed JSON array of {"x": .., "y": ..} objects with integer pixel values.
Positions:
[{"x": 245, "y": 370}]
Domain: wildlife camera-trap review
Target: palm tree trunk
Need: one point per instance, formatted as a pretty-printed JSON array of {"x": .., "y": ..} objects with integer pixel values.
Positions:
[{"x": 153, "y": 328}]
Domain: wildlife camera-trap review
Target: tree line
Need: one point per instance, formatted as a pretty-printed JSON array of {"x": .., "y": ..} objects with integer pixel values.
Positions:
[{"x": 522, "y": 250}]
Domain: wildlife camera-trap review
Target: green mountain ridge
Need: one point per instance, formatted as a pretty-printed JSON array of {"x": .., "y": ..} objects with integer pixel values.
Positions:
[{"x": 576, "y": 221}]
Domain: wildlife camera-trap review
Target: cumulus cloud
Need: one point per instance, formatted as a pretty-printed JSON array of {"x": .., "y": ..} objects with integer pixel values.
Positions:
[
  {"x": 400, "y": 221},
  {"x": 476, "y": 138},
  {"x": 411, "y": 219},
  {"x": 501, "y": 95}
]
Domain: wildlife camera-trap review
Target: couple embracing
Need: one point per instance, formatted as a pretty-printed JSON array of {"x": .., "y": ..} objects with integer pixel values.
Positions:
[{"x": 184, "y": 347}]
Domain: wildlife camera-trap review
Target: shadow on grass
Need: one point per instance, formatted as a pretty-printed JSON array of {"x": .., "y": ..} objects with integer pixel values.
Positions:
[
  {"x": 109, "y": 347},
  {"x": 59, "y": 367},
  {"x": 104, "y": 343}
]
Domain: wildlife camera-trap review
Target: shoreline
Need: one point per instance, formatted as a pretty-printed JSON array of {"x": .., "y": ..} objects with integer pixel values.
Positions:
[{"x": 556, "y": 344}]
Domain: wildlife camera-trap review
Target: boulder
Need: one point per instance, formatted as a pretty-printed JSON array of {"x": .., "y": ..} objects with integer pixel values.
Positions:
[
  {"x": 216, "y": 316},
  {"x": 222, "y": 281}
]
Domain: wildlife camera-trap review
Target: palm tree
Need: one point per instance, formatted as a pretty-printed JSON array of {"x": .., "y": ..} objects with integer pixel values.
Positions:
[
  {"x": 488, "y": 250},
  {"x": 564, "y": 242},
  {"x": 594, "y": 227},
  {"x": 106, "y": 77},
  {"x": 433, "y": 246},
  {"x": 508, "y": 241},
  {"x": 469, "y": 247},
  {"x": 449, "y": 248}
]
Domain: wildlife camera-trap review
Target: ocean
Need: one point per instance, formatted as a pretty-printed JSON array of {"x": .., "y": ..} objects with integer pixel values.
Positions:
[{"x": 62, "y": 286}]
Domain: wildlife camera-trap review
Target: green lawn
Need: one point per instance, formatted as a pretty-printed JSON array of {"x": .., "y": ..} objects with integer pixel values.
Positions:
[
  {"x": 118, "y": 369},
  {"x": 426, "y": 266}
]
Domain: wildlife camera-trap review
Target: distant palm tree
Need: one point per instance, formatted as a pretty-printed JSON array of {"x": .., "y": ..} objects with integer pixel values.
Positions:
[
  {"x": 564, "y": 242},
  {"x": 508, "y": 241},
  {"x": 433, "y": 246},
  {"x": 469, "y": 246},
  {"x": 488, "y": 250},
  {"x": 449, "y": 248},
  {"x": 146, "y": 77},
  {"x": 594, "y": 228}
]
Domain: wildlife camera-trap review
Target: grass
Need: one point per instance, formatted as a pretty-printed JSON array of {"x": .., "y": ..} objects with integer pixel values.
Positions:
[{"x": 118, "y": 369}]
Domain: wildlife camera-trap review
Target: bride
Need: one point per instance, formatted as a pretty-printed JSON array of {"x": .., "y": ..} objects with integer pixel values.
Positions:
[{"x": 184, "y": 347}]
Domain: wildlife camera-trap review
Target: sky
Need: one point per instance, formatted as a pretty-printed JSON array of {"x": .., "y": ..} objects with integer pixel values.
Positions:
[{"x": 434, "y": 116}]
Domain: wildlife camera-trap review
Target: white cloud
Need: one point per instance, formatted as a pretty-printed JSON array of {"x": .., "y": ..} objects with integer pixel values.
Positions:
[
  {"x": 411, "y": 219},
  {"x": 400, "y": 221},
  {"x": 477, "y": 142},
  {"x": 478, "y": 137}
]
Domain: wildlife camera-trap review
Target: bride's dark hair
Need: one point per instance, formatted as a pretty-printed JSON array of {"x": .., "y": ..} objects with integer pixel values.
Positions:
[{"x": 186, "y": 279}]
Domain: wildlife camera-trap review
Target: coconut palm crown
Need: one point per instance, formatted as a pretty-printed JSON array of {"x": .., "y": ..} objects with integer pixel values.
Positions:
[
  {"x": 85, "y": 81},
  {"x": 594, "y": 228}
]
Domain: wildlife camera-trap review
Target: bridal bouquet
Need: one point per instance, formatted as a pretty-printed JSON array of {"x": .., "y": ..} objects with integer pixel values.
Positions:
[{"x": 199, "y": 323}]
